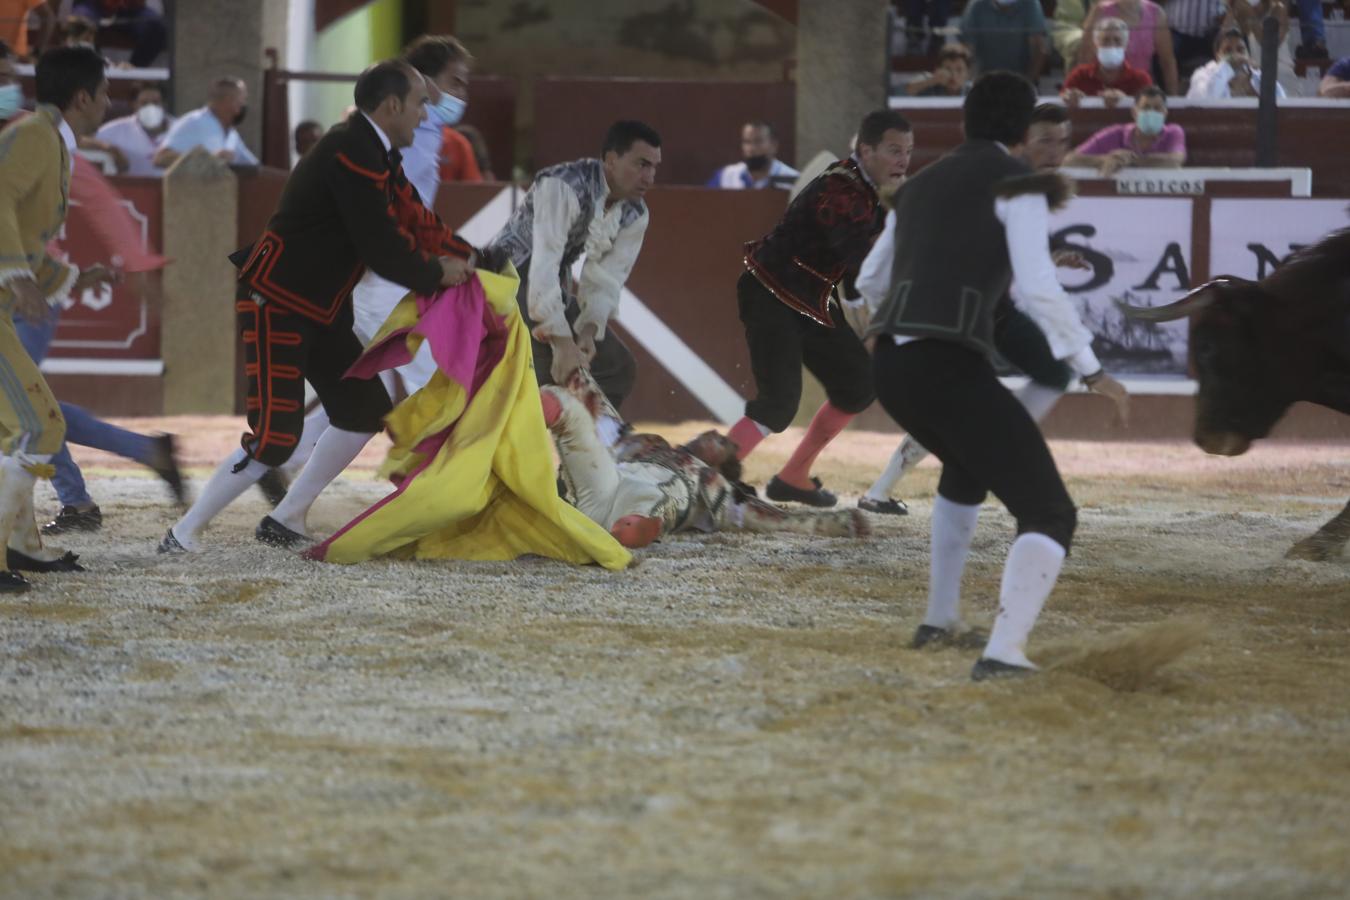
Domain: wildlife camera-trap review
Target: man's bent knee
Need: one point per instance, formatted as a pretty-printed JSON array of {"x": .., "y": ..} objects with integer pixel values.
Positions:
[{"x": 1057, "y": 522}]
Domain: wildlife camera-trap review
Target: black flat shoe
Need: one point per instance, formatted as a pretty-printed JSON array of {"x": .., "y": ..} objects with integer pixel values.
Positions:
[
  {"x": 13, "y": 583},
  {"x": 779, "y": 490},
  {"x": 935, "y": 637},
  {"x": 167, "y": 450},
  {"x": 71, "y": 518},
  {"x": 22, "y": 562},
  {"x": 169, "y": 544},
  {"x": 274, "y": 534},
  {"x": 986, "y": 669},
  {"x": 887, "y": 507},
  {"x": 273, "y": 484}
]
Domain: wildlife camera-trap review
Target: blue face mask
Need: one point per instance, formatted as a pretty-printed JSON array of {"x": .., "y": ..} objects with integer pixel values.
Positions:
[
  {"x": 1151, "y": 121},
  {"x": 448, "y": 110},
  {"x": 11, "y": 98}
]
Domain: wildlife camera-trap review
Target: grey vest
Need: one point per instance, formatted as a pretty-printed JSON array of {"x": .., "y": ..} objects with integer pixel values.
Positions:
[
  {"x": 586, "y": 177},
  {"x": 951, "y": 254}
]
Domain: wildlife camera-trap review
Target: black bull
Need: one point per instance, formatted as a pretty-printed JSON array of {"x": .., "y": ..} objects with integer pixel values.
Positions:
[{"x": 1259, "y": 347}]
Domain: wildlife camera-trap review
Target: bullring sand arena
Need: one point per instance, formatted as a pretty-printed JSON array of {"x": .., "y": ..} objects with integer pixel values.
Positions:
[{"x": 736, "y": 717}]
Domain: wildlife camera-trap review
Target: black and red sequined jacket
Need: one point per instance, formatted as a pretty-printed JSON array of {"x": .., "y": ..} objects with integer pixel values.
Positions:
[
  {"x": 821, "y": 240},
  {"x": 347, "y": 206}
]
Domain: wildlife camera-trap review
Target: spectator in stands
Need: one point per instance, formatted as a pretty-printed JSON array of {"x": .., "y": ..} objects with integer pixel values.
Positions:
[
  {"x": 143, "y": 25},
  {"x": 1006, "y": 34},
  {"x": 1230, "y": 73},
  {"x": 11, "y": 92},
  {"x": 1248, "y": 18},
  {"x": 937, "y": 13},
  {"x": 1336, "y": 83},
  {"x": 1111, "y": 77},
  {"x": 760, "y": 166},
  {"x": 78, "y": 31},
  {"x": 307, "y": 134},
  {"x": 480, "y": 149},
  {"x": 14, "y": 25},
  {"x": 1149, "y": 36},
  {"x": 212, "y": 127},
  {"x": 1147, "y": 143},
  {"x": 1066, "y": 29},
  {"x": 1194, "y": 24},
  {"x": 951, "y": 78},
  {"x": 132, "y": 141},
  {"x": 1312, "y": 30}
]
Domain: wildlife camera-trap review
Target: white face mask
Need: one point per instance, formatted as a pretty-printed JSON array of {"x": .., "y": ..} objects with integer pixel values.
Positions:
[
  {"x": 448, "y": 110},
  {"x": 1111, "y": 57},
  {"x": 151, "y": 116}
]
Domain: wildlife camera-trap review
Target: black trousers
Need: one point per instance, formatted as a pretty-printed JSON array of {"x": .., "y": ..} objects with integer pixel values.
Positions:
[
  {"x": 1020, "y": 341},
  {"x": 948, "y": 397},
  {"x": 283, "y": 350},
  {"x": 614, "y": 368},
  {"x": 782, "y": 340}
]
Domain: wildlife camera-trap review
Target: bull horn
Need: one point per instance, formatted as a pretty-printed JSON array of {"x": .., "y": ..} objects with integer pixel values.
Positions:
[{"x": 1189, "y": 305}]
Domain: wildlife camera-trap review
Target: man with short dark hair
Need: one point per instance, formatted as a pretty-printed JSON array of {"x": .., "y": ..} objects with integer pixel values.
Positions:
[
  {"x": 966, "y": 226},
  {"x": 1230, "y": 73},
  {"x": 345, "y": 208},
  {"x": 307, "y": 134},
  {"x": 590, "y": 206},
  {"x": 760, "y": 166},
  {"x": 212, "y": 127},
  {"x": 786, "y": 302},
  {"x": 37, "y": 154}
]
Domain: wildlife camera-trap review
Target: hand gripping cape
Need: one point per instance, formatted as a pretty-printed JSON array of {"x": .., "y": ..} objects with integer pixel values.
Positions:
[{"x": 472, "y": 460}]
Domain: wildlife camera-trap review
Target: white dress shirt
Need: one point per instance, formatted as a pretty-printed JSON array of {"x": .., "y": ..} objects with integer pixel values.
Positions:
[
  {"x": 1210, "y": 82},
  {"x": 201, "y": 128},
  {"x": 1035, "y": 289},
  {"x": 610, "y": 252},
  {"x": 128, "y": 135}
]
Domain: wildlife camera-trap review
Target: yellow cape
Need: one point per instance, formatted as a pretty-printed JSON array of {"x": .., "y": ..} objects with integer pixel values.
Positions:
[{"x": 490, "y": 491}]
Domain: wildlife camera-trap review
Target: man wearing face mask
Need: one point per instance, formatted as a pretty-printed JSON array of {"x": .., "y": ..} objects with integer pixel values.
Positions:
[
  {"x": 593, "y": 207},
  {"x": 136, "y": 137},
  {"x": 1109, "y": 76},
  {"x": 1148, "y": 143},
  {"x": 1230, "y": 73},
  {"x": 212, "y": 127},
  {"x": 760, "y": 166},
  {"x": 11, "y": 92}
]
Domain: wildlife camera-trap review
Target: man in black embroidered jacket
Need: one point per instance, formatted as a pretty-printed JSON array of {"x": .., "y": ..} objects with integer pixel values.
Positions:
[
  {"x": 964, "y": 227},
  {"x": 790, "y": 319},
  {"x": 347, "y": 206}
]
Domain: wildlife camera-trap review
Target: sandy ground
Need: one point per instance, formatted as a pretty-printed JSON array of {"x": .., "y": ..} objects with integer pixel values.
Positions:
[{"x": 735, "y": 717}]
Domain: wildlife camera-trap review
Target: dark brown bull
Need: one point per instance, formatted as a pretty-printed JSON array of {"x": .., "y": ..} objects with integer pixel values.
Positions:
[{"x": 1259, "y": 347}]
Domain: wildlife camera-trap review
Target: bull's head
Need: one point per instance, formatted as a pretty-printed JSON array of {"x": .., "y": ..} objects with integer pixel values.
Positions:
[{"x": 1243, "y": 391}]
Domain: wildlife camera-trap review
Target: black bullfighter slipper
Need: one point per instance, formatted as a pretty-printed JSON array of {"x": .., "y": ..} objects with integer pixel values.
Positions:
[
  {"x": 781, "y": 491},
  {"x": 274, "y": 534},
  {"x": 935, "y": 637},
  {"x": 170, "y": 544},
  {"x": 22, "y": 562},
  {"x": 887, "y": 507},
  {"x": 13, "y": 583},
  {"x": 71, "y": 518},
  {"x": 986, "y": 669}
]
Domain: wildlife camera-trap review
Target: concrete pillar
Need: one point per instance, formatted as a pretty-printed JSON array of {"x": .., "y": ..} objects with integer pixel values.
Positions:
[
  {"x": 212, "y": 40},
  {"x": 842, "y": 69},
  {"x": 197, "y": 328},
  {"x": 843, "y": 66}
]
